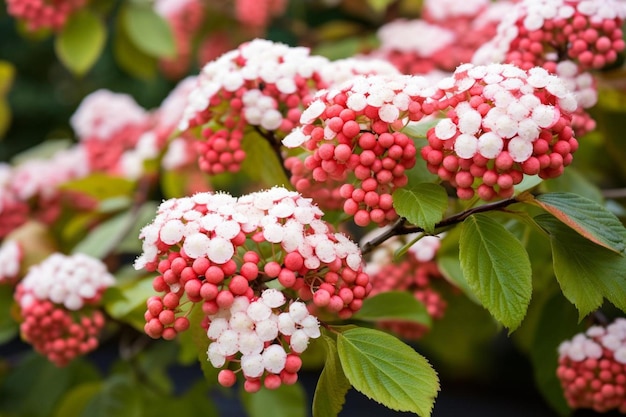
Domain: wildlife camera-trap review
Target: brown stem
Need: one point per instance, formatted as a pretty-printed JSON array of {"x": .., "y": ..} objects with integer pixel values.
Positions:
[
  {"x": 614, "y": 193},
  {"x": 400, "y": 227},
  {"x": 275, "y": 144}
]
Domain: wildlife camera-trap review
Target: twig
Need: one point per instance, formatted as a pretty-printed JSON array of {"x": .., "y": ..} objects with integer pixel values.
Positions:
[
  {"x": 614, "y": 193},
  {"x": 275, "y": 144},
  {"x": 400, "y": 227}
]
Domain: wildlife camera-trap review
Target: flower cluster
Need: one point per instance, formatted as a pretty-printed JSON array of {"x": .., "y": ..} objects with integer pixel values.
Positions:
[
  {"x": 256, "y": 14},
  {"x": 448, "y": 34},
  {"x": 58, "y": 300},
  {"x": 265, "y": 335},
  {"x": 415, "y": 273},
  {"x": 353, "y": 134},
  {"x": 13, "y": 210},
  {"x": 11, "y": 254},
  {"x": 107, "y": 124},
  {"x": 502, "y": 123},
  {"x": 261, "y": 84},
  {"x": 536, "y": 32},
  {"x": 592, "y": 368},
  {"x": 43, "y": 14},
  {"x": 214, "y": 247}
]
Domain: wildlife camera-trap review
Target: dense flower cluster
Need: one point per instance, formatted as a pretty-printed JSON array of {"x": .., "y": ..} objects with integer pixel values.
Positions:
[
  {"x": 265, "y": 335},
  {"x": 13, "y": 210},
  {"x": 44, "y": 14},
  {"x": 447, "y": 35},
  {"x": 214, "y": 247},
  {"x": 414, "y": 273},
  {"x": 536, "y": 32},
  {"x": 261, "y": 85},
  {"x": 11, "y": 254},
  {"x": 503, "y": 123},
  {"x": 107, "y": 124},
  {"x": 592, "y": 368},
  {"x": 58, "y": 301},
  {"x": 353, "y": 132}
]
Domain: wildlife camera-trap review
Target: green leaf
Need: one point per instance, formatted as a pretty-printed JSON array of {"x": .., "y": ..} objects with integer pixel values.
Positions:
[
  {"x": 130, "y": 303},
  {"x": 8, "y": 326},
  {"x": 144, "y": 215},
  {"x": 75, "y": 401},
  {"x": 379, "y": 5},
  {"x": 387, "y": 370},
  {"x": 332, "y": 386},
  {"x": 393, "y": 305},
  {"x": 81, "y": 41},
  {"x": 101, "y": 186},
  {"x": 5, "y": 116},
  {"x": 423, "y": 204},
  {"x": 148, "y": 31},
  {"x": 585, "y": 216},
  {"x": 556, "y": 324},
  {"x": 119, "y": 397},
  {"x": 286, "y": 401},
  {"x": 586, "y": 272},
  {"x": 419, "y": 129},
  {"x": 261, "y": 163},
  {"x": 130, "y": 58},
  {"x": 105, "y": 238},
  {"x": 497, "y": 268},
  {"x": 43, "y": 150}
]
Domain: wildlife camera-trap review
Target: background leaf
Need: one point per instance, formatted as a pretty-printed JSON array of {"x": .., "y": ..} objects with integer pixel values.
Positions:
[
  {"x": 423, "y": 204},
  {"x": 119, "y": 397},
  {"x": 286, "y": 401},
  {"x": 332, "y": 386},
  {"x": 393, "y": 305},
  {"x": 497, "y": 268},
  {"x": 586, "y": 272},
  {"x": 388, "y": 371},
  {"x": 81, "y": 41},
  {"x": 148, "y": 31},
  {"x": 261, "y": 163},
  {"x": 587, "y": 217}
]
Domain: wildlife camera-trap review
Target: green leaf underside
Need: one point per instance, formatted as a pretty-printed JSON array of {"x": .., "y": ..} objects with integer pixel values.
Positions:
[
  {"x": 586, "y": 217},
  {"x": 423, "y": 204},
  {"x": 332, "y": 386},
  {"x": 148, "y": 31},
  {"x": 387, "y": 370},
  {"x": 393, "y": 305},
  {"x": 286, "y": 401},
  {"x": 81, "y": 41},
  {"x": 497, "y": 268},
  {"x": 586, "y": 272}
]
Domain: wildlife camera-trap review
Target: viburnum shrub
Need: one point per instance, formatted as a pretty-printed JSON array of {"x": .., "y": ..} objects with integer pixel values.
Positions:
[
  {"x": 59, "y": 302},
  {"x": 199, "y": 192}
]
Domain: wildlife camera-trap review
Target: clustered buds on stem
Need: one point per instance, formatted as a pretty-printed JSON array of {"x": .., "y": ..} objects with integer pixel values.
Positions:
[
  {"x": 264, "y": 335},
  {"x": 213, "y": 249},
  {"x": 59, "y": 300},
  {"x": 592, "y": 368},
  {"x": 354, "y": 135},
  {"x": 261, "y": 84},
  {"x": 502, "y": 123},
  {"x": 42, "y": 14}
]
